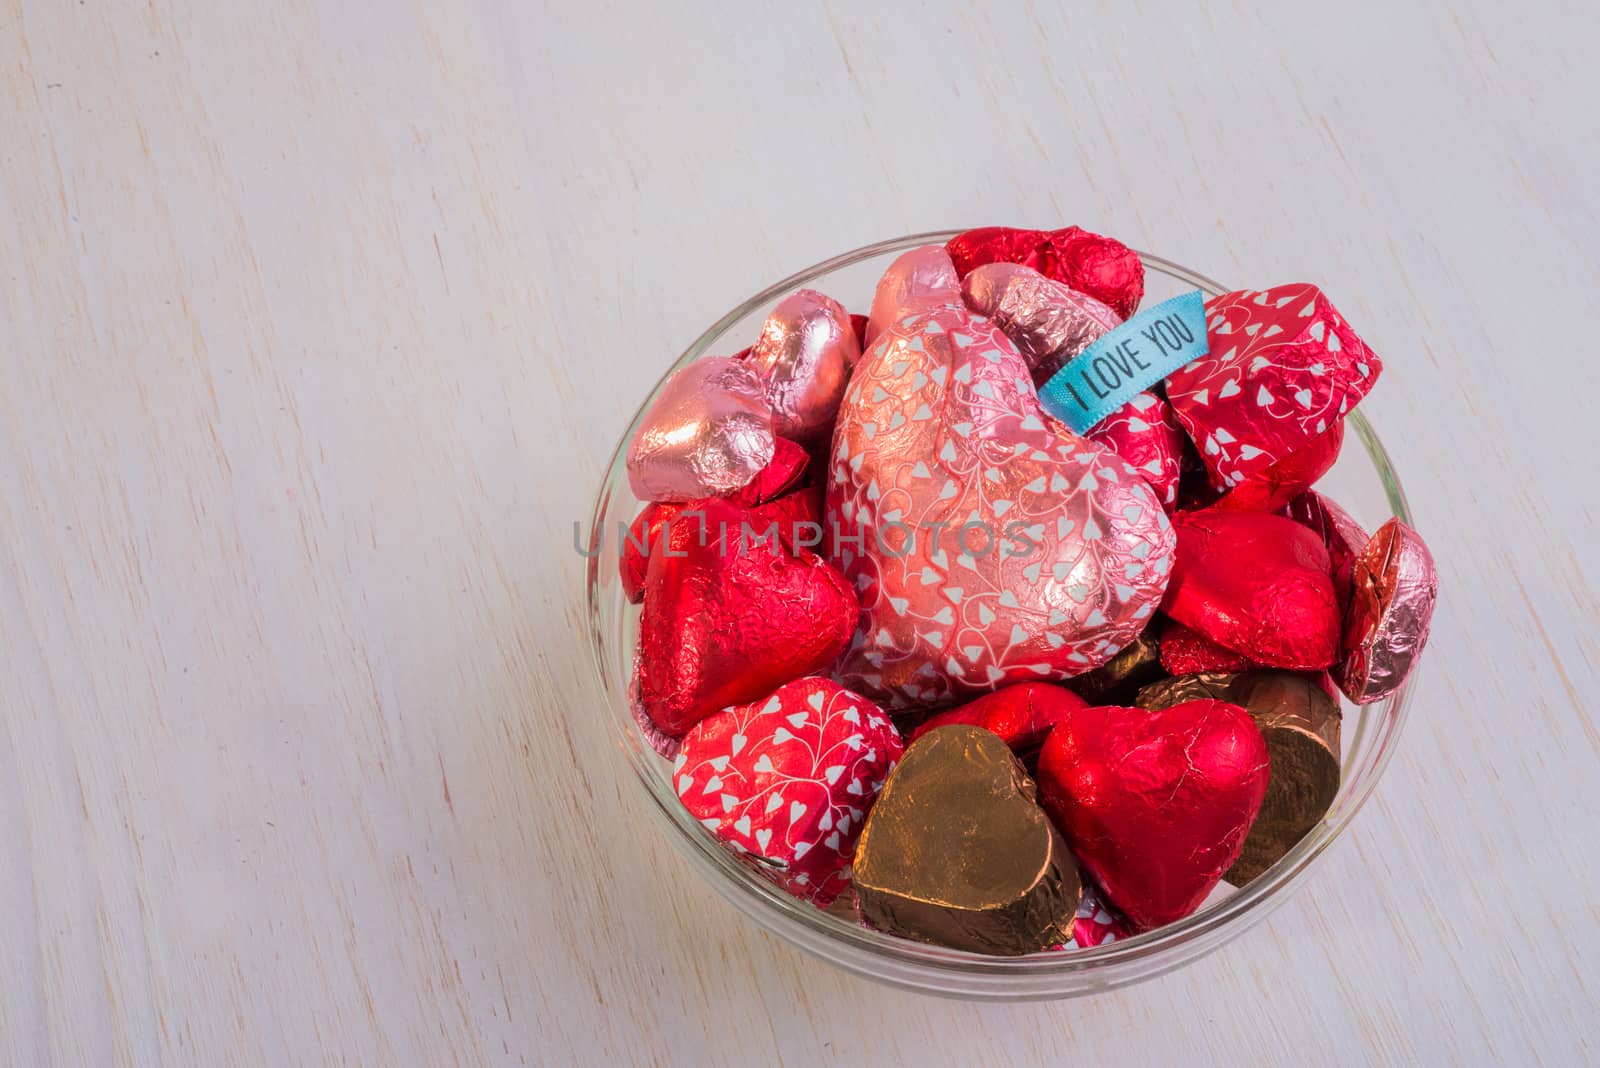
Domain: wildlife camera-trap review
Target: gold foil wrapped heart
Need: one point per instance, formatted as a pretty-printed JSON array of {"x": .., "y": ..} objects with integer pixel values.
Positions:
[{"x": 957, "y": 852}]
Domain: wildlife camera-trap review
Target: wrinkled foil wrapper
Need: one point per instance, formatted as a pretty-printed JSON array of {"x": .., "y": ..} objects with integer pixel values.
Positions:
[
  {"x": 708, "y": 433},
  {"x": 1394, "y": 585},
  {"x": 992, "y": 549},
  {"x": 1282, "y": 367},
  {"x": 1089, "y": 263},
  {"x": 724, "y": 623},
  {"x": 1049, "y": 323},
  {"x": 1258, "y": 584},
  {"x": 916, "y": 281},
  {"x": 804, "y": 356},
  {"x": 1299, "y": 721},
  {"x": 1338, "y": 530},
  {"x": 1146, "y": 433},
  {"x": 1155, "y": 805},
  {"x": 788, "y": 781},
  {"x": 1183, "y": 652},
  {"x": 1022, "y": 715},
  {"x": 1117, "y": 680},
  {"x": 957, "y": 852},
  {"x": 784, "y": 472},
  {"x": 1274, "y": 487}
]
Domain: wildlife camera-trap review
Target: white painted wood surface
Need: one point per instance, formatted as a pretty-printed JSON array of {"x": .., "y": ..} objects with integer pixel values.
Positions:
[{"x": 320, "y": 320}]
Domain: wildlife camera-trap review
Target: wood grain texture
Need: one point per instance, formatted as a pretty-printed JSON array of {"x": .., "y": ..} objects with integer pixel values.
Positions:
[{"x": 319, "y": 322}]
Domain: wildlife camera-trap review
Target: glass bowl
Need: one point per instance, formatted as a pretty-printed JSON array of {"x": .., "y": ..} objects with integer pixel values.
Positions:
[{"x": 1363, "y": 481}]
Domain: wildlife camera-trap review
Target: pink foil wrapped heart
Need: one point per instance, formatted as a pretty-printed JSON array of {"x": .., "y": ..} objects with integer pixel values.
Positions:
[
  {"x": 708, "y": 433},
  {"x": 1049, "y": 323},
  {"x": 993, "y": 547},
  {"x": 804, "y": 355},
  {"x": 916, "y": 281},
  {"x": 1394, "y": 584}
]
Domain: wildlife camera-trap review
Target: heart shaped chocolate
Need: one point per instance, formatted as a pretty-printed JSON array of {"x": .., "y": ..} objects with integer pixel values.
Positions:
[
  {"x": 1272, "y": 488},
  {"x": 708, "y": 432},
  {"x": 788, "y": 780},
  {"x": 804, "y": 355},
  {"x": 1186, "y": 652},
  {"x": 1049, "y": 323},
  {"x": 1281, "y": 368},
  {"x": 957, "y": 852},
  {"x": 1258, "y": 584},
  {"x": 1393, "y": 587},
  {"x": 762, "y": 493},
  {"x": 917, "y": 280},
  {"x": 1155, "y": 805},
  {"x": 728, "y": 619},
  {"x": 989, "y": 547},
  {"x": 1146, "y": 433},
  {"x": 1299, "y": 720}
]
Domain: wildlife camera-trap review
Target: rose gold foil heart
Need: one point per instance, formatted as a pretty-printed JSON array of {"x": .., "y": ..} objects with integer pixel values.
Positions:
[
  {"x": 804, "y": 355},
  {"x": 1050, "y": 323},
  {"x": 708, "y": 433},
  {"x": 1053, "y": 552}
]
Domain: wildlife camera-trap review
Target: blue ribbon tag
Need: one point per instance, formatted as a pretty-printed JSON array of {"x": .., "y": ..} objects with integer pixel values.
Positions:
[{"x": 1127, "y": 361}]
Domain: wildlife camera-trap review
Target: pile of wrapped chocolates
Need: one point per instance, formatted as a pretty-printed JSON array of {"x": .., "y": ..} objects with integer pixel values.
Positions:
[{"x": 1005, "y": 617}]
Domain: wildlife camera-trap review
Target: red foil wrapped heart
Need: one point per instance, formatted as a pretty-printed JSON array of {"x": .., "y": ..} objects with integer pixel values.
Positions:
[
  {"x": 1146, "y": 433},
  {"x": 1022, "y": 715},
  {"x": 1282, "y": 368},
  {"x": 782, "y": 473},
  {"x": 1340, "y": 533},
  {"x": 788, "y": 781},
  {"x": 1394, "y": 585},
  {"x": 726, "y": 622},
  {"x": 1155, "y": 805},
  {"x": 1272, "y": 488},
  {"x": 989, "y": 547},
  {"x": 1183, "y": 652},
  {"x": 1258, "y": 584},
  {"x": 1101, "y": 267}
]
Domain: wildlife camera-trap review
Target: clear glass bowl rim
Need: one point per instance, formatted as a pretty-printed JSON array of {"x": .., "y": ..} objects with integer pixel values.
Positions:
[{"x": 935, "y": 969}]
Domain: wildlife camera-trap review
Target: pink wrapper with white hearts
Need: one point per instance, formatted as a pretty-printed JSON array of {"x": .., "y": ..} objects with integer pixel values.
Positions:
[
  {"x": 788, "y": 780},
  {"x": 1146, "y": 433},
  {"x": 1282, "y": 367}
]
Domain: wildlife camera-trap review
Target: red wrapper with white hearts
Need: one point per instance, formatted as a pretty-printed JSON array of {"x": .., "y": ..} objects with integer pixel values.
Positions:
[
  {"x": 788, "y": 780},
  {"x": 1273, "y": 488},
  {"x": 1096, "y": 923},
  {"x": 1283, "y": 366},
  {"x": 1146, "y": 433}
]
